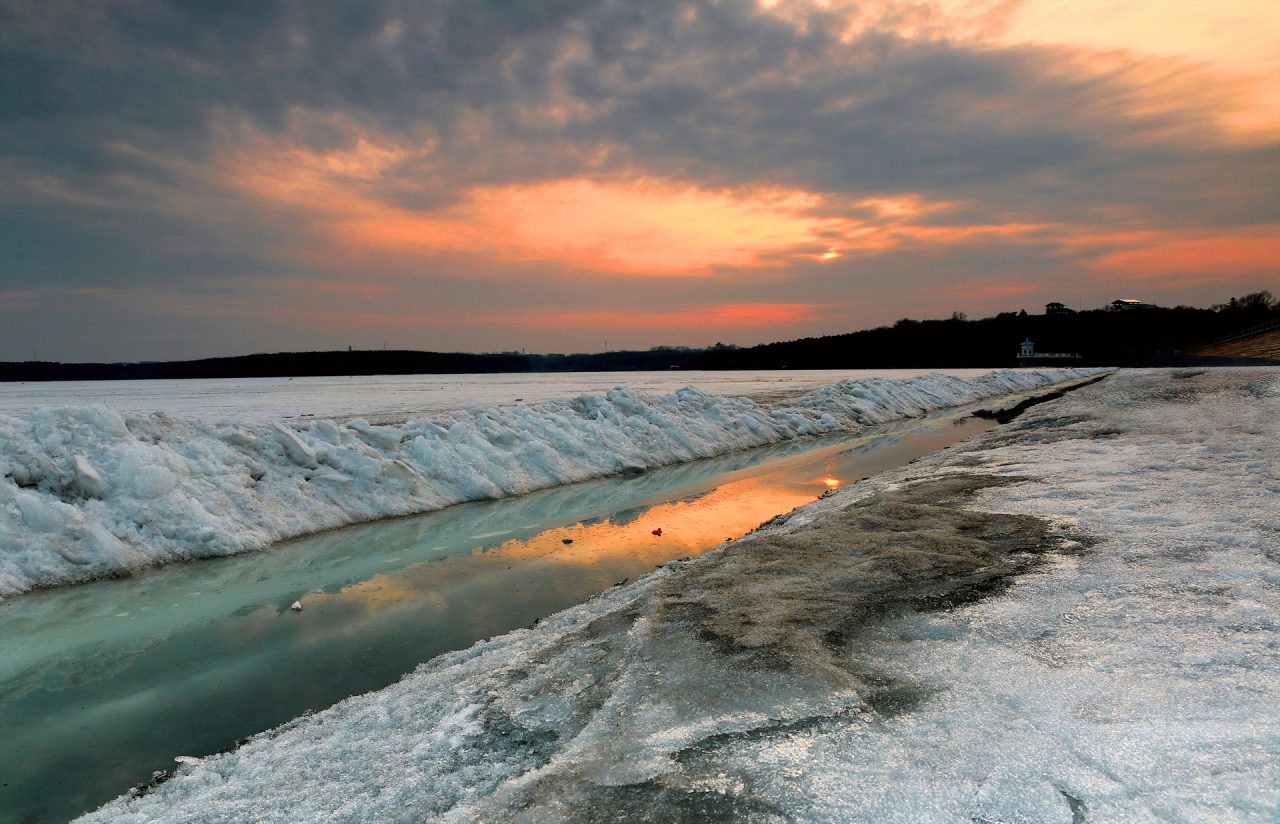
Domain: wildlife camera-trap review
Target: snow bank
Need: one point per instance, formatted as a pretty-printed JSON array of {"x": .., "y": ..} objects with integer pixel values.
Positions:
[
  {"x": 89, "y": 493},
  {"x": 1071, "y": 618}
]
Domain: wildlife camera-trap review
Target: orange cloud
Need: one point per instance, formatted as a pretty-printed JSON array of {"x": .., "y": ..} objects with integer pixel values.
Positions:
[
  {"x": 1219, "y": 56},
  {"x": 1236, "y": 38},
  {"x": 642, "y": 227},
  {"x": 1207, "y": 257},
  {"x": 651, "y": 227},
  {"x": 723, "y": 316},
  {"x": 639, "y": 227}
]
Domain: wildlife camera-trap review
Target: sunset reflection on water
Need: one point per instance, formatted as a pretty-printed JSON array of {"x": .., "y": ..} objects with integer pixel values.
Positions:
[
  {"x": 502, "y": 582},
  {"x": 600, "y": 553}
]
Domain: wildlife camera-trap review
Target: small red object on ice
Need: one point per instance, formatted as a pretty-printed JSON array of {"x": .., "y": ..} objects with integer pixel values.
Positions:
[{"x": 658, "y": 532}]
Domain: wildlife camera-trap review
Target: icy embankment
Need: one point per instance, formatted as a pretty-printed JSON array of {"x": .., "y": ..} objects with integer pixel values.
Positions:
[
  {"x": 1071, "y": 618},
  {"x": 87, "y": 493}
]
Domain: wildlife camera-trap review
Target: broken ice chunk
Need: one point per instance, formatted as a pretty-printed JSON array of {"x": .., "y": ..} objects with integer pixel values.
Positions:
[
  {"x": 328, "y": 431},
  {"x": 384, "y": 436},
  {"x": 87, "y": 477},
  {"x": 37, "y": 514},
  {"x": 332, "y": 478},
  {"x": 113, "y": 549},
  {"x": 235, "y": 437},
  {"x": 399, "y": 470},
  {"x": 299, "y": 451},
  {"x": 153, "y": 482}
]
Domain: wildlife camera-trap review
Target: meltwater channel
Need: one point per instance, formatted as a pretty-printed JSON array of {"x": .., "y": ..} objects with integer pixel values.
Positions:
[{"x": 103, "y": 685}]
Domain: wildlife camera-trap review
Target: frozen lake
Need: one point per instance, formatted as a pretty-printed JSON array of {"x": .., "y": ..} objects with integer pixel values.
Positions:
[
  {"x": 1070, "y": 619},
  {"x": 394, "y": 398},
  {"x": 101, "y": 685}
]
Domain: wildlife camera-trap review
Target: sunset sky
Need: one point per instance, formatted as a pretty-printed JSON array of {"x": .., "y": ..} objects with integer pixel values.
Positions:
[{"x": 196, "y": 179}]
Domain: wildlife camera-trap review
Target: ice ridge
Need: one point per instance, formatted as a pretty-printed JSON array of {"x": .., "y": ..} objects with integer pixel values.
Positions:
[{"x": 87, "y": 493}]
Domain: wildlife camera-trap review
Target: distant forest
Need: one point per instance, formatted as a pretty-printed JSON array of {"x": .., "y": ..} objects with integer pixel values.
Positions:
[{"x": 1148, "y": 336}]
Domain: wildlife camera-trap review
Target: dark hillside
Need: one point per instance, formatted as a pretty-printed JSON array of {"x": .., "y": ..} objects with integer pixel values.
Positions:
[
  {"x": 370, "y": 362},
  {"x": 1138, "y": 337}
]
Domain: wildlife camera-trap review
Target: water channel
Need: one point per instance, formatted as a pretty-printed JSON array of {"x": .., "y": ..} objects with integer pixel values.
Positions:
[{"x": 101, "y": 685}]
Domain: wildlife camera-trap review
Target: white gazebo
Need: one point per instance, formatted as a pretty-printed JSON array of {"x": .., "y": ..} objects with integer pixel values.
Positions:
[{"x": 1028, "y": 356}]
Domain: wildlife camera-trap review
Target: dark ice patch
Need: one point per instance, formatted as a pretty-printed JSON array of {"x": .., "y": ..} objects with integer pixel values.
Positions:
[
  {"x": 776, "y": 615},
  {"x": 1259, "y": 389},
  {"x": 650, "y": 801},
  {"x": 1046, "y": 429},
  {"x": 1179, "y": 393},
  {"x": 1007, "y": 414},
  {"x": 628, "y": 516},
  {"x": 888, "y": 697},
  {"x": 775, "y": 602},
  {"x": 1078, "y": 808}
]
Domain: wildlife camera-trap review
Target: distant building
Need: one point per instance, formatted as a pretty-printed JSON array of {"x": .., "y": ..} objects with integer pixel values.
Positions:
[
  {"x": 1057, "y": 309},
  {"x": 1028, "y": 356},
  {"x": 1125, "y": 304}
]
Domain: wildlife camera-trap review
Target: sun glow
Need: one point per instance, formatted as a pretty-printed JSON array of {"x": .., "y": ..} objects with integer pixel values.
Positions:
[{"x": 638, "y": 227}]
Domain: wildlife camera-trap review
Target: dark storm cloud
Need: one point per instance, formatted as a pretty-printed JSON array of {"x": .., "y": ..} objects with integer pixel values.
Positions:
[
  {"x": 717, "y": 91},
  {"x": 134, "y": 67}
]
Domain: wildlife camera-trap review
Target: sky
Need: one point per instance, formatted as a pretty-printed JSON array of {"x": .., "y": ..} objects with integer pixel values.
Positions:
[{"x": 196, "y": 179}]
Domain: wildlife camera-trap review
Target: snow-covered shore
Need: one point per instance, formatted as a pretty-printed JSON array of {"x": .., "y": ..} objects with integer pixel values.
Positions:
[
  {"x": 1070, "y": 618},
  {"x": 86, "y": 492}
]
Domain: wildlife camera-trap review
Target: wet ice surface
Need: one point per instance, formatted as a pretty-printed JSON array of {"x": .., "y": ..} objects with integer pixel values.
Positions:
[
  {"x": 103, "y": 684},
  {"x": 87, "y": 492},
  {"x": 1071, "y": 618}
]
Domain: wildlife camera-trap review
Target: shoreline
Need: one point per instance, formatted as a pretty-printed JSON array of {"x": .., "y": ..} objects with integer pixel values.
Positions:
[{"x": 1068, "y": 616}]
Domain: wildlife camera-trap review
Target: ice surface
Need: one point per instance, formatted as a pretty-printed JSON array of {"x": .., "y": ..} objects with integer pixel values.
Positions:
[
  {"x": 397, "y": 398},
  {"x": 1071, "y": 618},
  {"x": 87, "y": 492}
]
